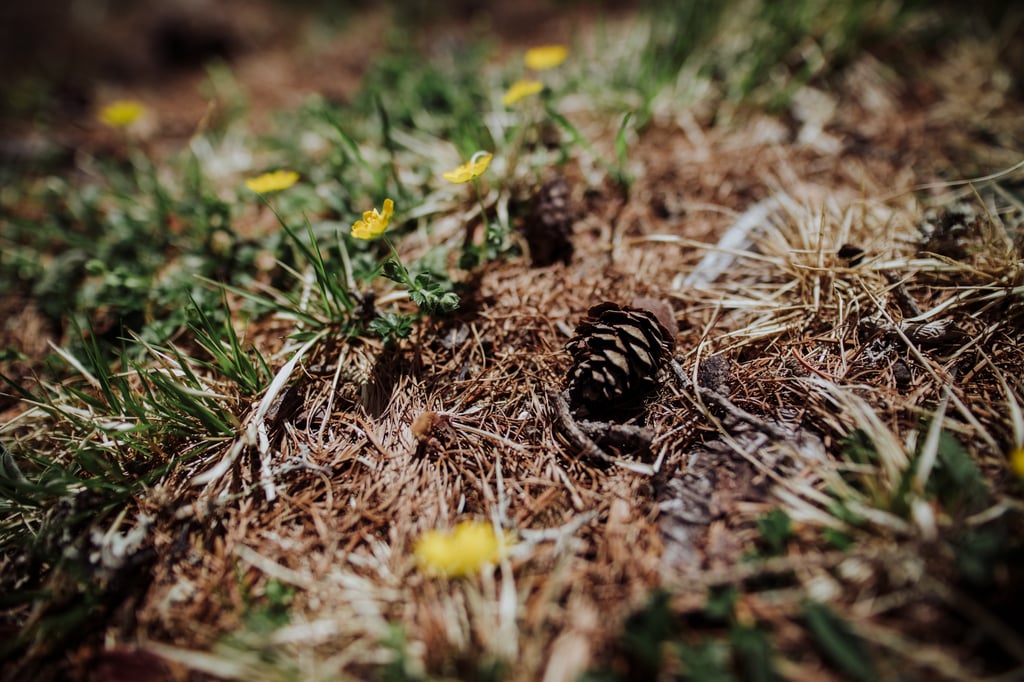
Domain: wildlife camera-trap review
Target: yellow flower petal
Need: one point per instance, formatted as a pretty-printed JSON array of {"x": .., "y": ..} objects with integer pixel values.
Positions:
[
  {"x": 374, "y": 222},
  {"x": 122, "y": 113},
  {"x": 469, "y": 170},
  {"x": 468, "y": 548},
  {"x": 545, "y": 57},
  {"x": 1017, "y": 462},
  {"x": 272, "y": 182},
  {"x": 521, "y": 89}
]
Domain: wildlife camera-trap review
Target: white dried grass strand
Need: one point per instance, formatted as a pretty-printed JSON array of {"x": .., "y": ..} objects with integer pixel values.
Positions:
[
  {"x": 73, "y": 361},
  {"x": 890, "y": 451},
  {"x": 200, "y": 661},
  {"x": 1013, "y": 402},
  {"x": 930, "y": 447},
  {"x": 250, "y": 431},
  {"x": 738, "y": 238},
  {"x": 272, "y": 568}
]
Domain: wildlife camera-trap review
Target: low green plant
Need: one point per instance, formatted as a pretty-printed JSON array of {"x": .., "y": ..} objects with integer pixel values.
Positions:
[
  {"x": 401, "y": 667},
  {"x": 838, "y": 643},
  {"x": 442, "y": 99},
  {"x": 272, "y": 611},
  {"x": 776, "y": 529},
  {"x": 244, "y": 366},
  {"x": 956, "y": 481},
  {"x": 657, "y": 642}
]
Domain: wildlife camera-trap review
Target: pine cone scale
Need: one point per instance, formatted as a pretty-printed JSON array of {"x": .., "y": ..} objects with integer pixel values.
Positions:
[{"x": 617, "y": 353}]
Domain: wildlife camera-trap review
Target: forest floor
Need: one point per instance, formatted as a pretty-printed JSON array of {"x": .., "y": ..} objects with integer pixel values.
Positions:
[{"x": 229, "y": 427}]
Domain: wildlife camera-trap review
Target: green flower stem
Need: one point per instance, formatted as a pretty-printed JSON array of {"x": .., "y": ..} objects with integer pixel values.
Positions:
[
  {"x": 490, "y": 234},
  {"x": 401, "y": 272},
  {"x": 529, "y": 116},
  {"x": 429, "y": 295}
]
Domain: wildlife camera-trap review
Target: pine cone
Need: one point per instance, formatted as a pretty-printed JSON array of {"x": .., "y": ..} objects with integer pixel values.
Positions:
[
  {"x": 548, "y": 229},
  {"x": 617, "y": 353}
]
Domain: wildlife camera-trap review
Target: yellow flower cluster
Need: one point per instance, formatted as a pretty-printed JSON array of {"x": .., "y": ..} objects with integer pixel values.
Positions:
[
  {"x": 536, "y": 59},
  {"x": 474, "y": 168},
  {"x": 521, "y": 89},
  {"x": 272, "y": 182},
  {"x": 121, "y": 113},
  {"x": 463, "y": 551},
  {"x": 374, "y": 222},
  {"x": 545, "y": 57}
]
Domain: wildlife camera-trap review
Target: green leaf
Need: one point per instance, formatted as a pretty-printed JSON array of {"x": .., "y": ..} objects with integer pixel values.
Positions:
[
  {"x": 393, "y": 269},
  {"x": 646, "y": 630},
  {"x": 838, "y": 643},
  {"x": 753, "y": 650},
  {"x": 776, "y": 529},
  {"x": 401, "y": 667},
  {"x": 977, "y": 552},
  {"x": 837, "y": 539},
  {"x": 622, "y": 152},
  {"x": 448, "y": 302},
  {"x": 842, "y": 512},
  {"x": 392, "y": 326},
  {"x": 273, "y": 610},
  {"x": 704, "y": 662},
  {"x": 603, "y": 674},
  {"x": 957, "y": 481},
  {"x": 858, "y": 448},
  {"x": 721, "y": 604}
]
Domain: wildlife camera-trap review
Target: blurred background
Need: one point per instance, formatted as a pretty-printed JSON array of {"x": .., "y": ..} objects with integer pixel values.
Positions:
[
  {"x": 54, "y": 53},
  {"x": 62, "y": 60}
]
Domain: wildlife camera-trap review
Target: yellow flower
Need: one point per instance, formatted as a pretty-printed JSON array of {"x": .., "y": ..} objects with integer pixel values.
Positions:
[
  {"x": 1017, "y": 462},
  {"x": 465, "y": 550},
  {"x": 521, "y": 89},
  {"x": 122, "y": 113},
  {"x": 545, "y": 57},
  {"x": 272, "y": 182},
  {"x": 472, "y": 169},
  {"x": 374, "y": 223}
]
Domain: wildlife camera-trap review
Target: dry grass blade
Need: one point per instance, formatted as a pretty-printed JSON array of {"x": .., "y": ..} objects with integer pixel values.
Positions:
[{"x": 254, "y": 429}]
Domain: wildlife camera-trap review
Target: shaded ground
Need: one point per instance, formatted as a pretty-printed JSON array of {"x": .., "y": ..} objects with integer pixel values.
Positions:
[
  {"x": 812, "y": 358},
  {"x": 279, "y": 54}
]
